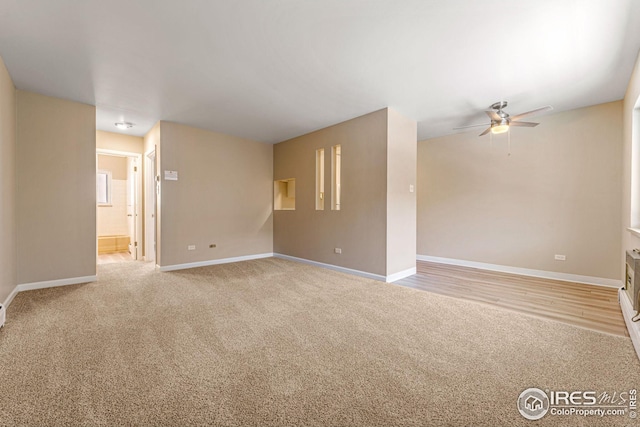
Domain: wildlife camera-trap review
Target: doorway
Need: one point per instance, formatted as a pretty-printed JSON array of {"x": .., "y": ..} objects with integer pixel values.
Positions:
[{"x": 119, "y": 208}]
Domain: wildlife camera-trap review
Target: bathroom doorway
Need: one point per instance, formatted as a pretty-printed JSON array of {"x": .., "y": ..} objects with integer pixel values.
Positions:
[{"x": 119, "y": 208}]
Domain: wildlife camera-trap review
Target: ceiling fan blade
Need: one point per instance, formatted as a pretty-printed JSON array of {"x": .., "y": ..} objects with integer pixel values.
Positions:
[
  {"x": 486, "y": 131},
  {"x": 493, "y": 115},
  {"x": 470, "y": 126},
  {"x": 523, "y": 124},
  {"x": 530, "y": 113}
]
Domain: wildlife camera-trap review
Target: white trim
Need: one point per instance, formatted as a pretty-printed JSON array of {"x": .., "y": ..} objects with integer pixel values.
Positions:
[
  {"x": 401, "y": 274},
  {"x": 565, "y": 277},
  {"x": 117, "y": 152},
  {"x": 149, "y": 203},
  {"x": 54, "y": 283},
  {"x": 627, "y": 313},
  {"x": 634, "y": 231},
  {"x": 213, "y": 262},
  {"x": 11, "y": 296},
  {"x": 333, "y": 267}
]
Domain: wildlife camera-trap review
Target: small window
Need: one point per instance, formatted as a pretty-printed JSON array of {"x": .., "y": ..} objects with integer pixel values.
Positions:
[
  {"x": 320, "y": 179},
  {"x": 103, "y": 188},
  {"x": 335, "y": 177},
  {"x": 284, "y": 194}
]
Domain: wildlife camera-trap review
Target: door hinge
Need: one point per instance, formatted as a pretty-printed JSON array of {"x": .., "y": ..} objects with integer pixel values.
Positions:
[
  {"x": 136, "y": 244},
  {"x": 135, "y": 169}
]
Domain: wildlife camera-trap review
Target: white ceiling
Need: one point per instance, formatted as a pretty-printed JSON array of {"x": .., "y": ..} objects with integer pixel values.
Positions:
[{"x": 272, "y": 70}]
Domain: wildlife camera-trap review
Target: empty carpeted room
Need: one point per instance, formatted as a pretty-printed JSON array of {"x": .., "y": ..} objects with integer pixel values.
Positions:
[{"x": 319, "y": 213}]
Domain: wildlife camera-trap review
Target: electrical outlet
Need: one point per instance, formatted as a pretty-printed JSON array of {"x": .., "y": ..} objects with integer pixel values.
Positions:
[
  {"x": 213, "y": 245},
  {"x": 411, "y": 189},
  {"x": 560, "y": 257},
  {"x": 338, "y": 250},
  {"x": 191, "y": 247}
]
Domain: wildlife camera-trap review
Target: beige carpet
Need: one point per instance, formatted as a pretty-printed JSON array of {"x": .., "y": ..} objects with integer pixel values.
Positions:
[{"x": 272, "y": 342}]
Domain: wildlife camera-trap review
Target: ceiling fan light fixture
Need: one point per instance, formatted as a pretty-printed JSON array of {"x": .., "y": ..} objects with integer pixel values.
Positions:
[
  {"x": 501, "y": 127},
  {"x": 123, "y": 125}
]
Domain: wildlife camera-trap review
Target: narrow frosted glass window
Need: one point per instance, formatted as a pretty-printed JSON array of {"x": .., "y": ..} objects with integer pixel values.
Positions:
[
  {"x": 335, "y": 177},
  {"x": 103, "y": 188},
  {"x": 320, "y": 179}
]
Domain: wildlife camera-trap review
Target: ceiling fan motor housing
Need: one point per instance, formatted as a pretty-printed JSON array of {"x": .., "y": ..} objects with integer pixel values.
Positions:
[{"x": 499, "y": 105}]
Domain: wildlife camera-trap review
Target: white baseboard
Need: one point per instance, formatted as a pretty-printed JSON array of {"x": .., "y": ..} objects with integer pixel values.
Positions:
[
  {"x": 46, "y": 284},
  {"x": 401, "y": 275},
  {"x": 54, "y": 283},
  {"x": 10, "y": 298},
  {"x": 589, "y": 280},
  {"x": 373, "y": 276},
  {"x": 627, "y": 313},
  {"x": 212, "y": 262}
]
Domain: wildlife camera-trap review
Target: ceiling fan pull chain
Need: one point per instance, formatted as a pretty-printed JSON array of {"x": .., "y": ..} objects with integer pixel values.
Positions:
[{"x": 509, "y": 139}]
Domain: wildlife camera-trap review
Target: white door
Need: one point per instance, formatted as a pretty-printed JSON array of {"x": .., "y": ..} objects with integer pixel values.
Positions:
[{"x": 132, "y": 178}]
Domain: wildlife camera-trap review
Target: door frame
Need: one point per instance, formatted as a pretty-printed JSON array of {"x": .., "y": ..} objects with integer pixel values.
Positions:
[
  {"x": 137, "y": 195},
  {"x": 150, "y": 206}
]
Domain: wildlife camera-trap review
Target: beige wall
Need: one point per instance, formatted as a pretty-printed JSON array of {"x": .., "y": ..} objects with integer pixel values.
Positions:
[
  {"x": 401, "y": 202},
  {"x": 56, "y": 189},
  {"x": 117, "y": 165},
  {"x": 7, "y": 184},
  {"x": 558, "y": 193},
  {"x": 375, "y": 228},
  {"x": 152, "y": 138},
  {"x": 631, "y": 156},
  {"x": 359, "y": 228},
  {"x": 223, "y": 196},
  {"x": 119, "y": 142}
]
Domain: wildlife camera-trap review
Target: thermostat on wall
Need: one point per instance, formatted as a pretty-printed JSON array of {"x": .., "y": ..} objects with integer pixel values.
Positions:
[{"x": 170, "y": 175}]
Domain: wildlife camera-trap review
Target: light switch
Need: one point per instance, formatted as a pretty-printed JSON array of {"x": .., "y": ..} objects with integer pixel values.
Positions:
[{"x": 410, "y": 188}]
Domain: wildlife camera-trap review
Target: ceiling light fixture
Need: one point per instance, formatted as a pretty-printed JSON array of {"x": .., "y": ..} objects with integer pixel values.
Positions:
[
  {"x": 123, "y": 125},
  {"x": 501, "y": 121},
  {"x": 500, "y": 127}
]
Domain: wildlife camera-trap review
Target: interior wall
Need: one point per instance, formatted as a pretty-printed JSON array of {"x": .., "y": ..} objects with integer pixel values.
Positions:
[
  {"x": 119, "y": 142},
  {"x": 117, "y": 165},
  {"x": 359, "y": 228},
  {"x": 56, "y": 189},
  {"x": 631, "y": 156},
  {"x": 558, "y": 193},
  {"x": 223, "y": 196},
  {"x": 402, "y": 145},
  {"x": 112, "y": 219},
  {"x": 8, "y": 279},
  {"x": 152, "y": 139}
]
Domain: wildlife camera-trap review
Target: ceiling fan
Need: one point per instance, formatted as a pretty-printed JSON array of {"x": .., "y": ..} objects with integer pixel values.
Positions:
[{"x": 501, "y": 120}]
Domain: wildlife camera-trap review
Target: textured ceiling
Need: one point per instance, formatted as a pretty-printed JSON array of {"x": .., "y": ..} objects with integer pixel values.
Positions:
[{"x": 272, "y": 70}]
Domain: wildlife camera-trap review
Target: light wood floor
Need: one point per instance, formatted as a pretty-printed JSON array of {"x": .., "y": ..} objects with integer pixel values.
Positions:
[
  {"x": 115, "y": 257},
  {"x": 588, "y": 306}
]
